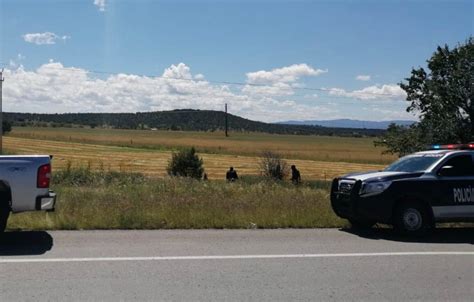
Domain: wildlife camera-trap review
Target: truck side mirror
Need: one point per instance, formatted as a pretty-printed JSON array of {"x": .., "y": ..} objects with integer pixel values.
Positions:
[{"x": 446, "y": 171}]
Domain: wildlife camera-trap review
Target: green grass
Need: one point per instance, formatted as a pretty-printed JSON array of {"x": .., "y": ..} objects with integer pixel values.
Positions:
[
  {"x": 84, "y": 176},
  {"x": 133, "y": 202}
]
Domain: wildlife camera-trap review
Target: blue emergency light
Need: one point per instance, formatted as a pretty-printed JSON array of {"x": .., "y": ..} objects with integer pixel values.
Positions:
[{"x": 469, "y": 146}]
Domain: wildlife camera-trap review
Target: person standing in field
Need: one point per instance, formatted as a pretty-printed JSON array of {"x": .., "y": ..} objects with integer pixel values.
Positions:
[
  {"x": 295, "y": 175},
  {"x": 231, "y": 175}
]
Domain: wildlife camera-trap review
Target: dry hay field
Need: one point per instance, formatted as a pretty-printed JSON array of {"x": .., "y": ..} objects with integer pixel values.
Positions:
[
  {"x": 107, "y": 154},
  {"x": 319, "y": 148}
]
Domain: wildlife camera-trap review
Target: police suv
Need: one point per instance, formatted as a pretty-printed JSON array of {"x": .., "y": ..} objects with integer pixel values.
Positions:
[{"x": 413, "y": 193}]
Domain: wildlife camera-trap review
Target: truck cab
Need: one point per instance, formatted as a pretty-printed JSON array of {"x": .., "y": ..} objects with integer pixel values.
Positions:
[
  {"x": 24, "y": 185},
  {"x": 413, "y": 193}
]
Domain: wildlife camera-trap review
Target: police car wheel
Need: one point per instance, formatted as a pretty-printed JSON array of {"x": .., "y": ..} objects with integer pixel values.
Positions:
[
  {"x": 361, "y": 224},
  {"x": 412, "y": 219}
]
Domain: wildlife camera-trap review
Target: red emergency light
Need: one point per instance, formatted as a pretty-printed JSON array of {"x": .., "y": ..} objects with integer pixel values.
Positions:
[{"x": 469, "y": 146}]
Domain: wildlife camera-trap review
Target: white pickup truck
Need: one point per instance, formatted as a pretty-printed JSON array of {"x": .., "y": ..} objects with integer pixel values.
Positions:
[{"x": 24, "y": 185}]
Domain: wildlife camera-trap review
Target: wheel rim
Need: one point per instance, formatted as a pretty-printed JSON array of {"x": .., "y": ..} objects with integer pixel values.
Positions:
[{"x": 412, "y": 219}]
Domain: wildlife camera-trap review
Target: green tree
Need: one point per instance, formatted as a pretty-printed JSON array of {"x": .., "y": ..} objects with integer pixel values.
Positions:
[
  {"x": 186, "y": 163},
  {"x": 442, "y": 98},
  {"x": 402, "y": 140}
]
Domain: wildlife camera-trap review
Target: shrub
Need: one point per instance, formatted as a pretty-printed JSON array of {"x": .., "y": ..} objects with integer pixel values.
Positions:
[
  {"x": 273, "y": 166},
  {"x": 185, "y": 163}
]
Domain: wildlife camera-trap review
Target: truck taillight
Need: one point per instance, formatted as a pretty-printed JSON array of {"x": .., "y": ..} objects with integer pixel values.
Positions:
[{"x": 44, "y": 176}]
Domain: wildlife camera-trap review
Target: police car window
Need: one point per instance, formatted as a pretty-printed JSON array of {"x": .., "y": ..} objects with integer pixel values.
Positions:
[
  {"x": 462, "y": 165},
  {"x": 413, "y": 163}
]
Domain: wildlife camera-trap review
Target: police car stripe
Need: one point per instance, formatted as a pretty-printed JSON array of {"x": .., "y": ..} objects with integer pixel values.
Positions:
[{"x": 458, "y": 211}]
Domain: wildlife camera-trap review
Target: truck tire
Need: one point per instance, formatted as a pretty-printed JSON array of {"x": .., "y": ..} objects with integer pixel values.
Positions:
[
  {"x": 4, "y": 213},
  {"x": 359, "y": 224},
  {"x": 412, "y": 219}
]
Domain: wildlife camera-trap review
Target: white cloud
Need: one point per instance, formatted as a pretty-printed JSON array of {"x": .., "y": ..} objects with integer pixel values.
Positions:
[
  {"x": 277, "y": 89},
  {"x": 55, "y": 88},
  {"x": 100, "y": 4},
  {"x": 363, "y": 77},
  {"x": 46, "y": 38},
  {"x": 279, "y": 81},
  {"x": 384, "y": 92},
  {"x": 180, "y": 71},
  {"x": 287, "y": 74}
]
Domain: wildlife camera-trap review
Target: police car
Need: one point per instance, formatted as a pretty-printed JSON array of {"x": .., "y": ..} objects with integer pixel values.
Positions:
[{"x": 413, "y": 193}]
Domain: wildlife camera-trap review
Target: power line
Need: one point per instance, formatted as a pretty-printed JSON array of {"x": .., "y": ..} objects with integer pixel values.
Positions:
[{"x": 321, "y": 89}]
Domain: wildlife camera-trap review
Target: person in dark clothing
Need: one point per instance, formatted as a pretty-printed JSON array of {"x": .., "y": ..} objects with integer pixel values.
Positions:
[
  {"x": 231, "y": 175},
  {"x": 295, "y": 175}
]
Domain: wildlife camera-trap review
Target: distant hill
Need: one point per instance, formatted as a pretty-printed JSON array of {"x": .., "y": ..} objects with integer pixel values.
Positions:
[
  {"x": 187, "y": 120},
  {"x": 348, "y": 123}
]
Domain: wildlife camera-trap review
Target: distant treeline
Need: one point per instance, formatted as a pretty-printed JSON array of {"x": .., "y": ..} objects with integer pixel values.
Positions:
[{"x": 185, "y": 120}]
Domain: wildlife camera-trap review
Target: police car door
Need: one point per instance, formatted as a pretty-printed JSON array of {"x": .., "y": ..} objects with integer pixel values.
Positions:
[{"x": 456, "y": 179}]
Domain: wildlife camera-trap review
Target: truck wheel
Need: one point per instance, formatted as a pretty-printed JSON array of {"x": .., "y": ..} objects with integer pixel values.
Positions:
[
  {"x": 412, "y": 219},
  {"x": 4, "y": 213},
  {"x": 361, "y": 224}
]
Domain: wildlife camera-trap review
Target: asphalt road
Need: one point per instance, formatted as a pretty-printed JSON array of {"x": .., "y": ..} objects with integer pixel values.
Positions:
[{"x": 236, "y": 265}]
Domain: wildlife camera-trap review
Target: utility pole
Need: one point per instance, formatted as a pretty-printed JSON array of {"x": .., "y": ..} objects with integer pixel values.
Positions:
[
  {"x": 1, "y": 112},
  {"x": 226, "y": 123}
]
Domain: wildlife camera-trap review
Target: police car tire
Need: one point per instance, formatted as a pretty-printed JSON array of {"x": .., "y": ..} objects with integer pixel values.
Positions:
[
  {"x": 412, "y": 219},
  {"x": 4, "y": 213},
  {"x": 361, "y": 224}
]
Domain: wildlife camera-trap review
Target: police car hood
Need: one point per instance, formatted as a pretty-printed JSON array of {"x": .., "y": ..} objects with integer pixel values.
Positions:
[{"x": 381, "y": 175}]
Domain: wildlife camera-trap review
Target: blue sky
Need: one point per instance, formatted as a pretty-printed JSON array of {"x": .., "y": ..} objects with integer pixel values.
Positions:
[{"x": 357, "y": 51}]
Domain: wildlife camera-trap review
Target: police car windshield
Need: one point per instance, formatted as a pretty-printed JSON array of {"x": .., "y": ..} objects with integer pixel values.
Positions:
[{"x": 413, "y": 163}]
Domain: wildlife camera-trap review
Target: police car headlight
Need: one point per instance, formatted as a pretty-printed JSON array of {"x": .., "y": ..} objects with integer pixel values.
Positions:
[{"x": 372, "y": 188}]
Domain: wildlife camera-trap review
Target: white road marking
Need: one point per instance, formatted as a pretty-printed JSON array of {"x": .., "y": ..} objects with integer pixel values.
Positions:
[{"x": 230, "y": 257}]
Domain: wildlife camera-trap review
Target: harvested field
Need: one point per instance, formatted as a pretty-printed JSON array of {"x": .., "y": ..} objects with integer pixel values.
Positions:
[
  {"x": 153, "y": 162},
  {"x": 316, "y": 148}
]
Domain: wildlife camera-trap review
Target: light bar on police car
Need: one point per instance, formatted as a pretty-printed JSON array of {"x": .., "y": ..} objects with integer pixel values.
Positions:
[{"x": 469, "y": 146}]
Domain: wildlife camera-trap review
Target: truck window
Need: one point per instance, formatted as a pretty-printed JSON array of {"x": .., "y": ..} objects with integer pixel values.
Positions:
[{"x": 462, "y": 165}]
